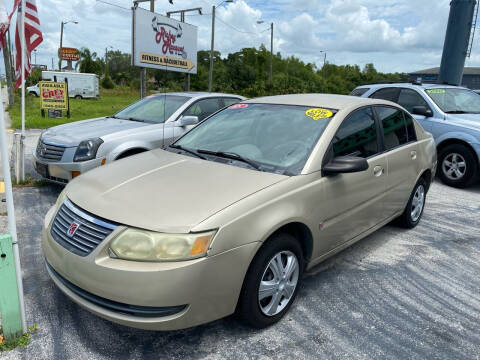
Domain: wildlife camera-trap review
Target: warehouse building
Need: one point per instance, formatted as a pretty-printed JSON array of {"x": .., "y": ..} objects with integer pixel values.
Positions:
[{"x": 471, "y": 76}]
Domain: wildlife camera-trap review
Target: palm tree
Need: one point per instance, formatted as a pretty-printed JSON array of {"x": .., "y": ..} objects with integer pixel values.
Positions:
[{"x": 88, "y": 62}]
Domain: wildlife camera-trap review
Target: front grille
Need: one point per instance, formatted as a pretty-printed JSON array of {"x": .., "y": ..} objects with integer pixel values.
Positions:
[
  {"x": 78, "y": 231},
  {"x": 49, "y": 152}
]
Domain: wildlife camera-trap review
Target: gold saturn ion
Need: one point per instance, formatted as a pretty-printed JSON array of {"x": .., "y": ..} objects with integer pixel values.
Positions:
[{"x": 229, "y": 217}]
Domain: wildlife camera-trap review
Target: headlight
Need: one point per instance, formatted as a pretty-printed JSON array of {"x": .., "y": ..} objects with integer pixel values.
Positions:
[
  {"x": 61, "y": 198},
  {"x": 87, "y": 150},
  {"x": 142, "y": 245}
]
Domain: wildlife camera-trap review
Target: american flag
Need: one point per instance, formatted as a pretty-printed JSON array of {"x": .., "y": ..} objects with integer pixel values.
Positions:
[{"x": 33, "y": 37}]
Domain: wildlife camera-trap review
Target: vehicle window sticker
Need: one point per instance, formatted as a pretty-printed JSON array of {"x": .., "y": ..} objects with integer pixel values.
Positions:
[
  {"x": 436, "y": 91},
  {"x": 318, "y": 113}
]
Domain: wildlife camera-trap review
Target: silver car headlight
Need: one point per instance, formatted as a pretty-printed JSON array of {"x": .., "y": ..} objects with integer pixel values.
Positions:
[
  {"x": 87, "y": 150},
  {"x": 142, "y": 245}
]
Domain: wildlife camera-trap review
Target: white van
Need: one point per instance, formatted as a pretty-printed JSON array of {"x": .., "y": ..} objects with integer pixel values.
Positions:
[{"x": 80, "y": 85}]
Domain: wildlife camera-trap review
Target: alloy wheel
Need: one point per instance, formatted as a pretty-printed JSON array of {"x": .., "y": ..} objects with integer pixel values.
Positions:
[
  {"x": 454, "y": 166},
  {"x": 418, "y": 202},
  {"x": 278, "y": 283}
]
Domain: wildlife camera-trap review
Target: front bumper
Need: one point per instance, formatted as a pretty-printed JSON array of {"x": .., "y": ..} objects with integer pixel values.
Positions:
[
  {"x": 196, "y": 291},
  {"x": 61, "y": 172}
]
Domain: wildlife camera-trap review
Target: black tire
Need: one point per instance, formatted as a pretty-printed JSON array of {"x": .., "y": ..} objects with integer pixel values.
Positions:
[
  {"x": 32, "y": 93},
  {"x": 78, "y": 97},
  {"x": 130, "y": 153},
  {"x": 248, "y": 309},
  {"x": 470, "y": 171},
  {"x": 407, "y": 220}
]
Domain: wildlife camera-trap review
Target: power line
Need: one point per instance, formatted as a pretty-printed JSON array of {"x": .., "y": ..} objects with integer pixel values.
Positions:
[
  {"x": 238, "y": 30},
  {"x": 111, "y": 4}
]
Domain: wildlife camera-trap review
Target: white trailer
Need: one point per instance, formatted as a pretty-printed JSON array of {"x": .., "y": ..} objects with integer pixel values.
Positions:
[{"x": 80, "y": 85}]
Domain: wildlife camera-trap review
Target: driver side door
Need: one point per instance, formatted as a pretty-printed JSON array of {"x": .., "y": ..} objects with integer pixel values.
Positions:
[{"x": 352, "y": 203}]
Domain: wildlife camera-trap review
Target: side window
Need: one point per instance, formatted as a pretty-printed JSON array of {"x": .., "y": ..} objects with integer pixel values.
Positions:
[
  {"x": 203, "y": 108},
  {"x": 411, "y": 134},
  {"x": 357, "y": 136},
  {"x": 359, "y": 91},
  {"x": 390, "y": 94},
  {"x": 409, "y": 98},
  {"x": 393, "y": 124},
  {"x": 230, "y": 101}
]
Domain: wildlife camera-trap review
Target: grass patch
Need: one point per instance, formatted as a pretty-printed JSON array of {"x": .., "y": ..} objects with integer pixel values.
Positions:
[
  {"x": 110, "y": 102},
  {"x": 20, "y": 342},
  {"x": 29, "y": 181}
]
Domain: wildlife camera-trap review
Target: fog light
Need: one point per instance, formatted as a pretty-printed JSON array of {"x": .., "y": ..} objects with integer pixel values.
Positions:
[{"x": 75, "y": 174}]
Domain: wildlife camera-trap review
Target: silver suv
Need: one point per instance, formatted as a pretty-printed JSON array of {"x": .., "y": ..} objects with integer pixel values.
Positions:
[
  {"x": 450, "y": 113},
  {"x": 66, "y": 151}
]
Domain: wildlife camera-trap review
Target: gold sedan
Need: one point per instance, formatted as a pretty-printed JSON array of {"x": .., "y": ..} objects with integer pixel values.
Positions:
[{"x": 229, "y": 217}]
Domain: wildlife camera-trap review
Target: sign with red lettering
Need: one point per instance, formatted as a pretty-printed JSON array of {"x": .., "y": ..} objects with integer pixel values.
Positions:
[
  {"x": 53, "y": 95},
  {"x": 160, "y": 42}
]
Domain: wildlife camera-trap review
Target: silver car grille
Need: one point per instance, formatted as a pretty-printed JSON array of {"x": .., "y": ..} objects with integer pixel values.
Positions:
[
  {"x": 79, "y": 231},
  {"x": 49, "y": 152}
]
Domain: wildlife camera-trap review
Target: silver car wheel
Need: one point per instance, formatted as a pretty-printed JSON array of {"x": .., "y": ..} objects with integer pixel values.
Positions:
[
  {"x": 278, "y": 284},
  {"x": 454, "y": 166},
  {"x": 418, "y": 201}
]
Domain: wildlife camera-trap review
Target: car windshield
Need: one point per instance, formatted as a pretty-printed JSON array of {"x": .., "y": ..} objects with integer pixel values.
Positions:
[
  {"x": 455, "y": 101},
  {"x": 269, "y": 137},
  {"x": 154, "y": 108}
]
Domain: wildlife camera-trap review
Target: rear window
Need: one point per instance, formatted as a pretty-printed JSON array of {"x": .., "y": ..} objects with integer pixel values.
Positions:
[{"x": 359, "y": 91}]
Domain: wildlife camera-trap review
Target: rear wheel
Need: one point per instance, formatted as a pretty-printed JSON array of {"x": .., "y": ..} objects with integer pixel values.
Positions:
[
  {"x": 272, "y": 281},
  {"x": 78, "y": 97},
  {"x": 414, "y": 210},
  {"x": 457, "y": 165}
]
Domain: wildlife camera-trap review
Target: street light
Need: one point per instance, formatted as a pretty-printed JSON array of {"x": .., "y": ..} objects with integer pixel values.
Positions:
[
  {"x": 61, "y": 41},
  {"x": 210, "y": 73},
  {"x": 271, "y": 52},
  {"x": 323, "y": 68}
]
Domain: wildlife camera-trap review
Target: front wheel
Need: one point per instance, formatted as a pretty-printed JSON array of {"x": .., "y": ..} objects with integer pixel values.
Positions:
[
  {"x": 414, "y": 210},
  {"x": 272, "y": 281},
  {"x": 457, "y": 165}
]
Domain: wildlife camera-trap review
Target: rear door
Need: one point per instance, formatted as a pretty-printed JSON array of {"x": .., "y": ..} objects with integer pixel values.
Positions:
[
  {"x": 355, "y": 201},
  {"x": 400, "y": 146}
]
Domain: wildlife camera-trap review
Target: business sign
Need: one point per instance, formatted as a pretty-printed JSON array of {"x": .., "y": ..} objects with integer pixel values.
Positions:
[
  {"x": 160, "y": 42},
  {"x": 53, "y": 95},
  {"x": 71, "y": 54}
]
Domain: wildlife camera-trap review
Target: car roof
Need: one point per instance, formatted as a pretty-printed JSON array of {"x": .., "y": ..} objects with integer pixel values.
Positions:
[
  {"x": 194, "y": 94},
  {"x": 411, "y": 86},
  {"x": 337, "y": 102}
]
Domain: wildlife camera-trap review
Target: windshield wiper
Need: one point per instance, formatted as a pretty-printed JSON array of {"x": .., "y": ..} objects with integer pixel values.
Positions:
[
  {"x": 231, "y": 155},
  {"x": 190, "y": 151},
  {"x": 135, "y": 119}
]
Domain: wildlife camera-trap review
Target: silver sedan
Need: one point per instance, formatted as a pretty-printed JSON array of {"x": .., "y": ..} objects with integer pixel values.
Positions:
[{"x": 66, "y": 151}]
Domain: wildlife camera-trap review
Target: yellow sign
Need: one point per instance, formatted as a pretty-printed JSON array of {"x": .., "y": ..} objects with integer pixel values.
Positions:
[
  {"x": 53, "y": 95},
  {"x": 148, "y": 58},
  {"x": 318, "y": 113},
  {"x": 2, "y": 187}
]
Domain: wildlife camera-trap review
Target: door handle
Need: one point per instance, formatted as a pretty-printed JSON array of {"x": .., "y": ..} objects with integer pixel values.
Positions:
[
  {"x": 378, "y": 171},
  {"x": 413, "y": 154}
]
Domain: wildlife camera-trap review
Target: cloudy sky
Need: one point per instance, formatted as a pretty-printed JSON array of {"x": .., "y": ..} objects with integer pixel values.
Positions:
[{"x": 395, "y": 35}]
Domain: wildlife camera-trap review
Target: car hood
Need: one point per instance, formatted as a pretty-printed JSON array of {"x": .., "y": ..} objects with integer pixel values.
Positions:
[
  {"x": 471, "y": 121},
  {"x": 163, "y": 191},
  {"x": 72, "y": 134}
]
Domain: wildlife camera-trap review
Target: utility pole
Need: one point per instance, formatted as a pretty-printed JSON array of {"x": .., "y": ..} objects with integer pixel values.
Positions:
[
  {"x": 323, "y": 68},
  {"x": 271, "y": 56},
  {"x": 69, "y": 64},
  {"x": 212, "y": 45}
]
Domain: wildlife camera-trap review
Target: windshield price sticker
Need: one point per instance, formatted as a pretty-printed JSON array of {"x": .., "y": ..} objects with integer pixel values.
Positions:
[
  {"x": 238, "y": 106},
  {"x": 436, "y": 91},
  {"x": 318, "y": 113}
]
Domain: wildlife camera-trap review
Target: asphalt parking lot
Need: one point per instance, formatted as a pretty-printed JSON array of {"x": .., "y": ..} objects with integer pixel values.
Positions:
[{"x": 395, "y": 295}]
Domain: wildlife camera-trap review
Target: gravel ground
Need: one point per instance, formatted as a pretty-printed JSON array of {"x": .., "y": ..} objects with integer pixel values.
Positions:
[{"x": 395, "y": 295}]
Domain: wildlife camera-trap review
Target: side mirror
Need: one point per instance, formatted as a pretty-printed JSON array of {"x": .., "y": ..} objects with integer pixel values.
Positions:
[
  {"x": 422, "y": 110},
  {"x": 345, "y": 164},
  {"x": 187, "y": 120}
]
